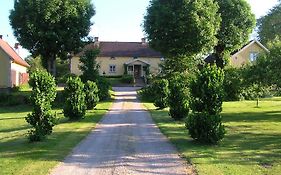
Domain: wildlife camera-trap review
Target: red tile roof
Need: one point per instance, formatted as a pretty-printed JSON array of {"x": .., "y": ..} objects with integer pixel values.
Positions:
[
  {"x": 123, "y": 49},
  {"x": 12, "y": 54}
]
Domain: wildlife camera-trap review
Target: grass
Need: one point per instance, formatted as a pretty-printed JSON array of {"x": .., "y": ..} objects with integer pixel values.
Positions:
[
  {"x": 18, "y": 156},
  {"x": 252, "y": 144}
]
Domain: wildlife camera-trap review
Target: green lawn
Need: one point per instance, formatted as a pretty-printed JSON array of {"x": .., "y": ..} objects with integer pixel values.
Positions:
[
  {"x": 17, "y": 156},
  {"x": 252, "y": 144}
]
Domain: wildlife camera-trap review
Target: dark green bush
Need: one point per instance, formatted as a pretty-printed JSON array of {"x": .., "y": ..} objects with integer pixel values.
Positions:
[
  {"x": 205, "y": 128},
  {"x": 14, "y": 99},
  {"x": 207, "y": 90},
  {"x": 161, "y": 92},
  {"x": 43, "y": 94},
  {"x": 178, "y": 99},
  {"x": 63, "y": 79},
  {"x": 89, "y": 66},
  {"x": 104, "y": 87},
  {"x": 255, "y": 91},
  {"x": 15, "y": 89},
  {"x": 75, "y": 105},
  {"x": 146, "y": 94},
  {"x": 129, "y": 79},
  {"x": 233, "y": 84},
  {"x": 205, "y": 124},
  {"x": 59, "y": 101},
  {"x": 92, "y": 96}
]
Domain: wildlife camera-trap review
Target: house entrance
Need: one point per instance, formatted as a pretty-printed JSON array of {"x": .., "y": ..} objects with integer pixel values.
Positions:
[{"x": 137, "y": 71}]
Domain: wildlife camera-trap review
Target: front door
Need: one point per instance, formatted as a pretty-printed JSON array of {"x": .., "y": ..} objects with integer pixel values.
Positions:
[{"x": 137, "y": 71}]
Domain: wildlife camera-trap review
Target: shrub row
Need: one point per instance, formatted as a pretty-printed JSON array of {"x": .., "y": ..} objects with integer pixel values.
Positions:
[{"x": 203, "y": 95}]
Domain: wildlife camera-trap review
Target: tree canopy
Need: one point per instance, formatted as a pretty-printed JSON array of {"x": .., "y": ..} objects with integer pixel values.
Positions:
[
  {"x": 51, "y": 28},
  {"x": 185, "y": 27},
  {"x": 269, "y": 26},
  {"x": 89, "y": 66},
  {"x": 237, "y": 24},
  {"x": 181, "y": 27}
]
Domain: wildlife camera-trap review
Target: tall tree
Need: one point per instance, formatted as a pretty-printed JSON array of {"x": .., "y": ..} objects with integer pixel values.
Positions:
[
  {"x": 89, "y": 66},
  {"x": 181, "y": 27},
  {"x": 51, "y": 28},
  {"x": 237, "y": 24},
  {"x": 269, "y": 26}
]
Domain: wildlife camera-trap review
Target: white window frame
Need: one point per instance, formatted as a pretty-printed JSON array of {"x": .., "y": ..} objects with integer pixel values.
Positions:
[
  {"x": 112, "y": 68},
  {"x": 253, "y": 56}
]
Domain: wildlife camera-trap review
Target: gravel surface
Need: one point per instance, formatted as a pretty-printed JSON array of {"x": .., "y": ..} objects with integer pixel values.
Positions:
[{"x": 125, "y": 142}]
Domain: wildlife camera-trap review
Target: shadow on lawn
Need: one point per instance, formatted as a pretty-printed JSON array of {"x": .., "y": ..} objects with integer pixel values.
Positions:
[
  {"x": 48, "y": 150},
  {"x": 15, "y": 129},
  {"x": 55, "y": 147},
  {"x": 268, "y": 116},
  {"x": 246, "y": 145}
]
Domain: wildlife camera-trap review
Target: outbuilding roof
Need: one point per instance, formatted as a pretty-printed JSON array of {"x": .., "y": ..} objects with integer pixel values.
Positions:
[
  {"x": 12, "y": 54},
  {"x": 123, "y": 49}
]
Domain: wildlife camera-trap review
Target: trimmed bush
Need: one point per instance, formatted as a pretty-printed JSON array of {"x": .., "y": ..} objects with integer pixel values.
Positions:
[
  {"x": 205, "y": 128},
  {"x": 43, "y": 94},
  {"x": 205, "y": 124},
  {"x": 207, "y": 90},
  {"x": 146, "y": 94},
  {"x": 92, "y": 96},
  {"x": 161, "y": 93},
  {"x": 178, "y": 99},
  {"x": 104, "y": 87},
  {"x": 75, "y": 105},
  {"x": 129, "y": 79}
]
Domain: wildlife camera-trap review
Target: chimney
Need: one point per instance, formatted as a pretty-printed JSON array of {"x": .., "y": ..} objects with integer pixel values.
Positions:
[
  {"x": 143, "y": 41},
  {"x": 96, "y": 42},
  {"x": 96, "y": 39},
  {"x": 1, "y": 36}
]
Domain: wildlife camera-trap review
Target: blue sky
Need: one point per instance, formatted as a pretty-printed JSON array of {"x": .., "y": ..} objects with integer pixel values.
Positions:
[{"x": 114, "y": 20}]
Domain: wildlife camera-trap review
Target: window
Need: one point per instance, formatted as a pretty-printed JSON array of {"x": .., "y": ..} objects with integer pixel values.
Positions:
[
  {"x": 112, "y": 58},
  {"x": 135, "y": 57},
  {"x": 130, "y": 68},
  {"x": 162, "y": 59},
  {"x": 112, "y": 68},
  {"x": 253, "y": 56}
]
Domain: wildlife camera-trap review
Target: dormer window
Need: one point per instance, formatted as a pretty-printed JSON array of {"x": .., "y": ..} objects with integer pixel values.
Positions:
[
  {"x": 135, "y": 57},
  {"x": 113, "y": 58}
]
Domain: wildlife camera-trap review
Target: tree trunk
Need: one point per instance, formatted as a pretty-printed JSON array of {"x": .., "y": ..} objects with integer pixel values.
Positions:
[
  {"x": 52, "y": 65},
  {"x": 220, "y": 55},
  {"x": 258, "y": 102}
]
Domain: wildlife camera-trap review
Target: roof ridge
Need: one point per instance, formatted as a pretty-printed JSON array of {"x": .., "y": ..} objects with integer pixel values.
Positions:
[{"x": 12, "y": 55}]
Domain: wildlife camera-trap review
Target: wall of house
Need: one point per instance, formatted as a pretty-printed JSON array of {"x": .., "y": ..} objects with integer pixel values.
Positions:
[
  {"x": 4, "y": 70},
  {"x": 17, "y": 73},
  {"x": 243, "y": 57},
  {"x": 105, "y": 62}
]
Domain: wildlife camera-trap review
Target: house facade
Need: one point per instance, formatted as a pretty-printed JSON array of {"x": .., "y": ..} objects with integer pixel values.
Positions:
[
  {"x": 13, "y": 69},
  {"x": 247, "y": 54},
  {"x": 118, "y": 58}
]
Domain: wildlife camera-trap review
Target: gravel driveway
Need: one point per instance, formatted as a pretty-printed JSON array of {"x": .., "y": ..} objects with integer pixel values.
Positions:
[{"x": 125, "y": 142}]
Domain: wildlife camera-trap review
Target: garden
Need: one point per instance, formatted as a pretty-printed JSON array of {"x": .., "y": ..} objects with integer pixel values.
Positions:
[
  {"x": 41, "y": 123},
  {"x": 252, "y": 144}
]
